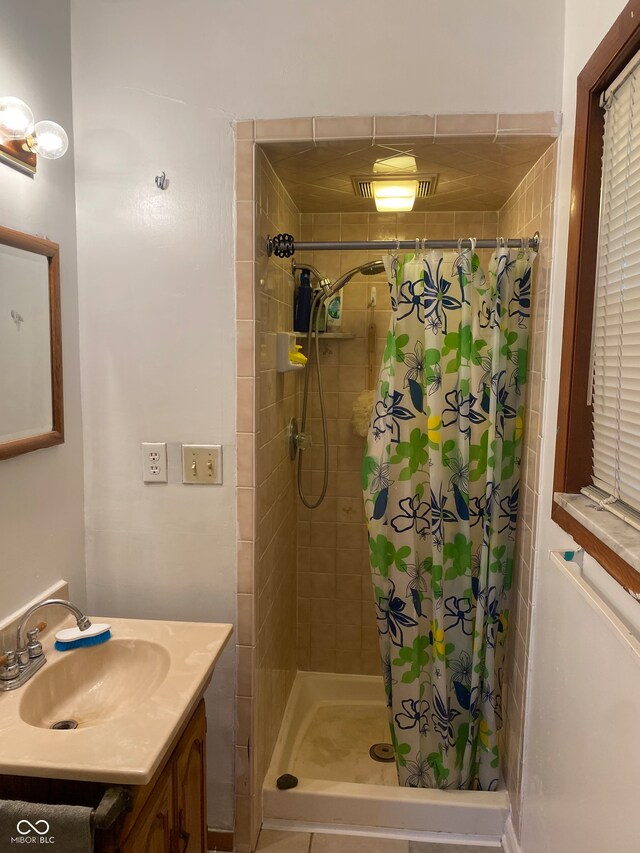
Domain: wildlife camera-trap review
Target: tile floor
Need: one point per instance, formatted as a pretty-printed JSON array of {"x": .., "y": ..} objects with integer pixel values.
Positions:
[{"x": 272, "y": 841}]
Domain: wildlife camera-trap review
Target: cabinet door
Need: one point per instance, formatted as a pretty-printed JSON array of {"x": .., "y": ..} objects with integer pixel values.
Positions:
[
  {"x": 152, "y": 831},
  {"x": 190, "y": 769}
]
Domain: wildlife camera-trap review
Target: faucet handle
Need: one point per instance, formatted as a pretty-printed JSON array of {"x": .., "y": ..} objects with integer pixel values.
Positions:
[
  {"x": 34, "y": 646},
  {"x": 8, "y": 666}
]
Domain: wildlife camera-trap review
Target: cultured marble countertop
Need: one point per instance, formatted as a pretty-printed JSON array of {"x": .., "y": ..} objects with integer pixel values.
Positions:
[{"x": 124, "y": 743}]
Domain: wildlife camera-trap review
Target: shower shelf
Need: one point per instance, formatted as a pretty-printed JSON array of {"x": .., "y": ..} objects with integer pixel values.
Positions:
[{"x": 331, "y": 336}]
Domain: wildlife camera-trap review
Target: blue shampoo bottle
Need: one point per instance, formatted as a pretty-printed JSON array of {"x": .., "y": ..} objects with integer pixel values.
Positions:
[{"x": 302, "y": 310}]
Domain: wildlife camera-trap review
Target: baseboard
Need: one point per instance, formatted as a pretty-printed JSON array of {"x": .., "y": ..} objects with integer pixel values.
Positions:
[
  {"x": 219, "y": 840},
  {"x": 509, "y": 840}
]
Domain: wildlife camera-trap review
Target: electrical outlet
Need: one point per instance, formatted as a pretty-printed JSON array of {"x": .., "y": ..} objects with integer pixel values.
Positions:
[
  {"x": 154, "y": 462},
  {"x": 202, "y": 463}
]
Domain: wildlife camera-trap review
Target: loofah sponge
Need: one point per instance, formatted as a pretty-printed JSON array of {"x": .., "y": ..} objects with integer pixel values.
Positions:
[{"x": 362, "y": 408}]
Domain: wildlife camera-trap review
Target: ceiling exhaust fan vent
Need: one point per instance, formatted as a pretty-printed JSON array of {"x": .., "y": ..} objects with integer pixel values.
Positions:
[{"x": 362, "y": 183}]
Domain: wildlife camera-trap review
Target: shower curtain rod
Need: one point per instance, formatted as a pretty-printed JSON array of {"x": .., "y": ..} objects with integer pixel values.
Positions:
[{"x": 284, "y": 245}]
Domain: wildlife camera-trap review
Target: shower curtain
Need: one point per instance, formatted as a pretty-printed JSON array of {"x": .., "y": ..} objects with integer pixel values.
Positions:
[{"x": 440, "y": 483}]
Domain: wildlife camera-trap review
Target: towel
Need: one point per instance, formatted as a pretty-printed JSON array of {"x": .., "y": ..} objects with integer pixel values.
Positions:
[{"x": 66, "y": 829}]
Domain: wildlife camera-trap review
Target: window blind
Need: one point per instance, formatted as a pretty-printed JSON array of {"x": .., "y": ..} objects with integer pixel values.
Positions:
[{"x": 615, "y": 390}]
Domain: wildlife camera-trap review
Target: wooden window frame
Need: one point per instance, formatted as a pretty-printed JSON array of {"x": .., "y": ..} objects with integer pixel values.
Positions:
[{"x": 573, "y": 463}]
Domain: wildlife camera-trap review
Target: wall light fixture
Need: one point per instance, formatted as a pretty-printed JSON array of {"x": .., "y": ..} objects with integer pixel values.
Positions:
[{"x": 22, "y": 138}]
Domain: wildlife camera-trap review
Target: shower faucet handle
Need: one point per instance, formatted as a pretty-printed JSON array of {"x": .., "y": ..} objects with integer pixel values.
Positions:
[{"x": 304, "y": 441}]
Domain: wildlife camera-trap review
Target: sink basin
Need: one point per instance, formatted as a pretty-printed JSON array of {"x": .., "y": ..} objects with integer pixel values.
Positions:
[
  {"x": 93, "y": 685},
  {"x": 129, "y": 696}
]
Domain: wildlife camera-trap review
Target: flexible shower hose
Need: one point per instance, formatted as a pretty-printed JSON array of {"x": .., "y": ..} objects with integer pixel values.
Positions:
[{"x": 316, "y": 307}]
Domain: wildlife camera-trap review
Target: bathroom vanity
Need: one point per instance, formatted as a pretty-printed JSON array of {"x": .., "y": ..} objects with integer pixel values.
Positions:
[
  {"x": 140, "y": 737},
  {"x": 167, "y": 814}
]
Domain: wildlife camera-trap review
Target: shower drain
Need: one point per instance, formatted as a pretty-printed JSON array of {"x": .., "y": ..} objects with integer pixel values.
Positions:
[
  {"x": 64, "y": 724},
  {"x": 382, "y": 752}
]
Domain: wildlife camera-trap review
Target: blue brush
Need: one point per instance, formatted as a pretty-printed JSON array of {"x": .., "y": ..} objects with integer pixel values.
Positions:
[{"x": 74, "y": 638}]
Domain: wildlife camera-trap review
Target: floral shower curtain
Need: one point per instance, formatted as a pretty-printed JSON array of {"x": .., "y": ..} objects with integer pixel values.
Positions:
[{"x": 440, "y": 482}]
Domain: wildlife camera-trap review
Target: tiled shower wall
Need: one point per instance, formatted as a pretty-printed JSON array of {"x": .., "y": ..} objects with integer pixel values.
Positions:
[
  {"x": 529, "y": 209},
  {"x": 266, "y": 488},
  {"x": 336, "y": 616}
]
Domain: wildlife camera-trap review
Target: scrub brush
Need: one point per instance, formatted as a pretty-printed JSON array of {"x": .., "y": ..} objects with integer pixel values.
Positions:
[{"x": 74, "y": 638}]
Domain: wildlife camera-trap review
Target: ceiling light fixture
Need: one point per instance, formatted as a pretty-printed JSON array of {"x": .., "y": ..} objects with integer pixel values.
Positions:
[
  {"x": 21, "y": 139},
  {"x": 394, "y": 195}
]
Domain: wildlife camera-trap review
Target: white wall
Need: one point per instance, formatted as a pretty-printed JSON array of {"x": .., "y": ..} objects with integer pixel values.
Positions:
[
  {"x": 583, "y": 754},
  {"x": 41, "y": 516},
  {"x": 156, "y": 87},
  {"x": 575, "y": 779}
]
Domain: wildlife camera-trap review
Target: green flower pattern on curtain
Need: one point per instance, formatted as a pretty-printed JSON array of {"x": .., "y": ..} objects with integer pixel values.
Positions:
[{"x": 440, "y": 481}]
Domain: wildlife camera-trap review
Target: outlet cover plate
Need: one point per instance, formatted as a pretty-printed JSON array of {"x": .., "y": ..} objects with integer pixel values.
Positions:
[
  {"x": 202, "y": 464},
  {"x": 154, "y": 462}
]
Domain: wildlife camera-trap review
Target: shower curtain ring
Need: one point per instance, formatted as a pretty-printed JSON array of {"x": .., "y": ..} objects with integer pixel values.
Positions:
[{"x": 473, "y": 241}]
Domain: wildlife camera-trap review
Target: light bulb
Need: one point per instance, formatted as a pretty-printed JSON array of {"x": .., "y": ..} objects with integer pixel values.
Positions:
[
  {"x": 48, "y": 139},
  {"x": 16, "y": 119}
]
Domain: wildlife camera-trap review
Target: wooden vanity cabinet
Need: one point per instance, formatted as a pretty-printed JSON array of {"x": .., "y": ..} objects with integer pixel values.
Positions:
[
  {"x": 168, "y": 815},
  {"x": 154, "y": 830}
]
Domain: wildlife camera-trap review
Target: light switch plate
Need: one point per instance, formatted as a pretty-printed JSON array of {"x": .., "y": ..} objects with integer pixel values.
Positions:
[{"x": 202, "y": 464}]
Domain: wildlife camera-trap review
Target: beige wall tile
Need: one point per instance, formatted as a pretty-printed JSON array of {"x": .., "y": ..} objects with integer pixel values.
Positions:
[
  {"x": 284, "y": 128},
  {"x": 245, "y": 277},
  {"x": 244, "y": 231},
  {"x": 244, "y": 171},
  {"x": 244, "y": 129},
  {"x": 526, "y": 123},
  {"x": 347, "y": 127},
  {"x": 466, "y": 124},
  {"x": 245, "y": 390},
  {"x": 246, "y": 632},
  {"x": 245, "y": 670},
  {"x": 404, "y": 126}
]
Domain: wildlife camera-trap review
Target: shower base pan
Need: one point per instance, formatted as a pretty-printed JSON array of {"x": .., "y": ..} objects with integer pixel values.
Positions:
[{"x": 330, "y": 723}]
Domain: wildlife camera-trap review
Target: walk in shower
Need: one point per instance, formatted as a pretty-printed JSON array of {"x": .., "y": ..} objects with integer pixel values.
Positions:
[{"x": 321, "y": 708}]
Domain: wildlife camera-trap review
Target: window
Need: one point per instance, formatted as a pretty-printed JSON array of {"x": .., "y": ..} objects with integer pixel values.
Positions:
[
  {"x": 598, "y": 446},
  {"x": 615, "y": 348}
]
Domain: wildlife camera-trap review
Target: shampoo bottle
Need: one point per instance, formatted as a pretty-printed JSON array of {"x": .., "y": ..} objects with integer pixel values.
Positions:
[
  {"x": 302, "y": 310},
  {"x": 334, "y": 312}
]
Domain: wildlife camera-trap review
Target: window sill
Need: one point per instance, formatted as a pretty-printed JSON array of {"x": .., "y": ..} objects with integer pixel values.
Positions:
[{"x": 607, "y": 538}]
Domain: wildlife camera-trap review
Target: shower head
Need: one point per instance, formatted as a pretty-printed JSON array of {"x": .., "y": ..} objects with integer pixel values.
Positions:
[{"x": 370, "y": 268}]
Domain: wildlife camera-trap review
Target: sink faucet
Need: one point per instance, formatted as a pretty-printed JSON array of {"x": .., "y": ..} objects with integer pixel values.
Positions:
[{"x": 19, "y": 664}]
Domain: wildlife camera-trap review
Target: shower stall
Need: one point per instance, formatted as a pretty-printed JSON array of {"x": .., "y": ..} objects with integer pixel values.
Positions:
[{"x": 317, "y": 696}]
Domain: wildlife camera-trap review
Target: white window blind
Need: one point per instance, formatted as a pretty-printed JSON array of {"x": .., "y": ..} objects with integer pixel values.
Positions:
[{"x": 615, "y": 392}]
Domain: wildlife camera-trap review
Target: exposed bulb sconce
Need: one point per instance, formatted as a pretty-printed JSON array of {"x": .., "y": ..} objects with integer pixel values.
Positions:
[{"x": 22, "y": 138}]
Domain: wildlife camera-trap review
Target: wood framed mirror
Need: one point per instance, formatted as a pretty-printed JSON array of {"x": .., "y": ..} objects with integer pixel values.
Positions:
[{"x": 31, "y": 403}]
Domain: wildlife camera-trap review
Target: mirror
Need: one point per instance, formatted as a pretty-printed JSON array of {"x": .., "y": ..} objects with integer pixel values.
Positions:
[{"x": 31, "y": 410}]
